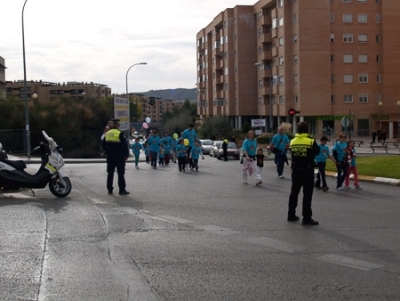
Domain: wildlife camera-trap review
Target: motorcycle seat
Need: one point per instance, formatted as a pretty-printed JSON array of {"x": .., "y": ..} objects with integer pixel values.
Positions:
[{"x": 17, "y": 164}]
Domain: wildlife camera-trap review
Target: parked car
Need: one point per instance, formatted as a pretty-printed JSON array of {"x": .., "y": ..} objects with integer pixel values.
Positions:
[
  {"x": 206, "y": 145},
  {"x": 215, "y": 146},
  {"x": 233, "y": 151}
]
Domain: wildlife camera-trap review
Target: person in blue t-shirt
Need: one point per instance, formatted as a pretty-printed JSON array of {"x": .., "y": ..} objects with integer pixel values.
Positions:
[
  {"x": 281, "y": 143},
  {"x": 191, "y": 135},
  {"x": 161, "y": 155},
  {"x": 147, "y": 152},
  {"x": 167, "y": 153},
  {"x": 181, "y": 154},
  {"x": 320, "y": 159},
  {"x": 249, "y": 148},
  {"x": 195, "y": 153},
  {"x": 339, "y": 153},
  {"x": 154, "y": 146},
  {"x": 136, "y": 147}
]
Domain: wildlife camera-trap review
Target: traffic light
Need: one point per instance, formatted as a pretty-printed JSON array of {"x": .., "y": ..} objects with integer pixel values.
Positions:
[
  {"x": 152, "y": 101},
  {"x": 292, "y": 112}
]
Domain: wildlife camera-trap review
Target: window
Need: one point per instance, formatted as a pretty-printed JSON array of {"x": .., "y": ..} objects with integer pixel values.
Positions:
[
  {"x": 348, "y": 98},
  {"x": 332, "y": 18},
  {"x": 280, "y": 21},
  {"x": 260, "y": 83},
  {"x": 332, "y": 58},
  {"x": 261, "y": 101},
  {"x": 295, "y": 78},
  {"x": 260, "y": 50},
  {"x": 362, "y": 1},
  {"x": 378, "y": 18},
  {"x": 378, "y": 38},
  {"x": 378, "y": 58},
  {"x": 282, "y": 100},
  {"x": 274, "y": 25},
  {"x": 226, "y": 71},
  {"x": 332, "y": 78},
  {"x": 362, "y": 38},
  {"x": 260, "y": 32},
  {"x": 295, "y": 38},
  {"x": 280, "y": 3},
  {"x": 294, "y": 18},
  {"x": 332, "y": 99},
  {"x": 347, "y": 58},
  {"x": 281, "y": 80},
  {"x": 363, "y": 58},
  {"x": 378, "y": 78},
  {"x": 295, "y": 58},
  {"x": 296, "y": 99},
  {"x": 363, "y": 78},
  {"x": 363, "y": 98},
  {"x": 281, "y": 41},
  {"x": 348, "y": 38},
  {"x": 346, "y": 1},
  {"x": 348, "y": 78},
  {"x": 332, "y": 37},
  {"x": 347, "y": 18},
  {"x": 362, "y": 18},
  {"x": 281, "y": 60}
]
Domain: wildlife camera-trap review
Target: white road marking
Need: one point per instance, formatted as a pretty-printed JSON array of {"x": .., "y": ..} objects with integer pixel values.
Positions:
[
  {"x": 350, "y": 262},
  {"x": 176, "y": 219},
  {"x": 277, "y": 244},
  {"x": 218, "y": 230}
]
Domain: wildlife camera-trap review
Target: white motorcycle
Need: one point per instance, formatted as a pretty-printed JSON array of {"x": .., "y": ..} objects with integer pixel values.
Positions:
[{"x": 13, "y": 175}]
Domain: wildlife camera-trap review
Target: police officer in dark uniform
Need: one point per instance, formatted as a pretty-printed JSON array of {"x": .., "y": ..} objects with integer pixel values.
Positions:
[
  {"x": 303, "y": 148},
  {"x": 117, "y": 153}
]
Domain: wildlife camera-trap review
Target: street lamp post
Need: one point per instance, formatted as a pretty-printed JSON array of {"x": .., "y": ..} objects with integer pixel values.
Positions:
[
  {"x": 27, "y": 130},
  {"x": 398, "y": 120},
  {"x": 270, "y": 94},
  {"x": 127, "y": 95}
]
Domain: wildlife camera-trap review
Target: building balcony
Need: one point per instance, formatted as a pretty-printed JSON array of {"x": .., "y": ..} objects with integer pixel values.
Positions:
[
  {"x": 266, "y": 20},
  {"x": 266, "y": 38},
  {"x": 274, "y": 33},
  {"x": 275, "y": 51},
  {"x": 266, "y": 56},
  {"x": 219, "y": 79}
]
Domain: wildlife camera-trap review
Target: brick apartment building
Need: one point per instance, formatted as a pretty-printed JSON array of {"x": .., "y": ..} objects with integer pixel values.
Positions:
[
  {"x": 2, "y": 78},
  {"x": 46, "y": 91},
  {"x": 327, "y": 59}
]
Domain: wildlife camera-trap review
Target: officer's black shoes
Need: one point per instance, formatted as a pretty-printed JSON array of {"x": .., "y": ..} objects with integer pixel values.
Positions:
[
  {"x": 309, "y": 222},
  {"x": 110, "y": 191},
  {"x": 292, "y": 218},
  {"x": 124, "y": 192}
]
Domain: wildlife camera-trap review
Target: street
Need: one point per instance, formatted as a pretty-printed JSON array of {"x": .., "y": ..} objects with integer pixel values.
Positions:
[{"x": 197, "y": 236}]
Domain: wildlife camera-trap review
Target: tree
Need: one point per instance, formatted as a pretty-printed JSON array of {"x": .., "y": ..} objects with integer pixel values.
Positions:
[{"x": 217, "y": 127}]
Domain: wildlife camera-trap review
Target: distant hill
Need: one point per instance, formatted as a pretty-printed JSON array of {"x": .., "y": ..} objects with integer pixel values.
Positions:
[{"x": 178, "y": 94}]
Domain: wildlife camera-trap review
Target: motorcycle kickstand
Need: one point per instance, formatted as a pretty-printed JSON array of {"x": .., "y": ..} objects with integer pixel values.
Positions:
[{"x": 32, "y": 192}]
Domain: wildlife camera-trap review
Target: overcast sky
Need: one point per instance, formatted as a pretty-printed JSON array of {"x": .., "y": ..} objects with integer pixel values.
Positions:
[{"x": 97, "y": 41}]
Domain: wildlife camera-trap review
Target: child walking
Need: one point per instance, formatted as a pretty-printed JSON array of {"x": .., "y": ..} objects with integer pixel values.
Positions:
[
  {"x": 181, "y": 154},
  {"x": 136, "y": 147},
  {"x": 195, "y": 153},
  {"x": 352, "y": 168},
  {"x": 147, "y": 153},
  {"x": 161, "y": 156},
  {"x": 320, "y": 159},
  {"x": 260, "y": 160}
]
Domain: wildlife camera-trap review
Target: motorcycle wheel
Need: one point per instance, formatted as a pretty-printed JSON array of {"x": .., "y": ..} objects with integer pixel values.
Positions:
[{"x": 60, "y": 188}]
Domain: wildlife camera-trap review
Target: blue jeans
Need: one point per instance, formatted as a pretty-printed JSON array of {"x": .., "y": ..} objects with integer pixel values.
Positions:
[
  {"x": 341, "y": 174},
  {"x": 154, "y": 156},
  {"x": 279, "y": 161}
]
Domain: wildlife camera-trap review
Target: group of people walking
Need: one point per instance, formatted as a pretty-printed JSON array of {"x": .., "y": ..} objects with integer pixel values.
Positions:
[{"x": 306, "y": 154}]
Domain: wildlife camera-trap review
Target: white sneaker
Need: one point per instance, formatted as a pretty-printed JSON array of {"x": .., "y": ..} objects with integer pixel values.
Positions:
[
  {"x": 281, "y": 177},
  {"x": 244, "y": 181},
  {"x": 137, "y": 167},
  {"x": 358, "y": 187},
  {"x": 339, "y": 188},
  {"x": 258, "y": 182}
]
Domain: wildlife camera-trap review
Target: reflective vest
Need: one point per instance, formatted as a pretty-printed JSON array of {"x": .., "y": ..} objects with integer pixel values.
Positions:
[
  {"x": 303, "y": 150},
  {"x": 113, "y": 136}
]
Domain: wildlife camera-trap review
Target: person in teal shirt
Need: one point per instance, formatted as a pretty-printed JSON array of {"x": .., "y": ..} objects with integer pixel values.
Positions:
[
  {"x": 136, "y": 147},
  {"x": 181, "y": 154},
  {"x": 281, "y": 143},
  {"x": 195, "y": 153},
  {"x": 154, "y": 145},
  {"x": 320, "y": 159},
  {"x": 191, "y": 135},
  {"x": 249, "y": 148},
  {"x": 339, "y": 153}
]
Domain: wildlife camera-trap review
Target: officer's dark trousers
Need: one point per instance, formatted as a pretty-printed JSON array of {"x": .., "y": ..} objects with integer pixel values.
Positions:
[
  {"x": 302, "y": 177},
  {"x": 118, "y": 163}
]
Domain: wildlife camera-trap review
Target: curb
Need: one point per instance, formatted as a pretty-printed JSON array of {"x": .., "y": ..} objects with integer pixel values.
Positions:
[{"x": 389, "y": 181}]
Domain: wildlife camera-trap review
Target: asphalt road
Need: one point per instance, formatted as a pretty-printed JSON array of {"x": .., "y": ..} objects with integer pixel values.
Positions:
[{"x": 197, "y": 236}]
